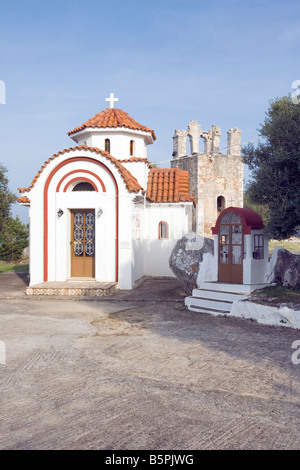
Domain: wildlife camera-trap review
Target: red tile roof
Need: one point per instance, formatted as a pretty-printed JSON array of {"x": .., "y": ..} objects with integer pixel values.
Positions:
[
  {"x": 164, "y": 184},
  {"x": 131, "y": 182},
  {"x": 168, "y": 185},
  {"x": 113, "y": 118},
  {"x": 23, "y": 200},
  {"x": 136, "y": 159}
]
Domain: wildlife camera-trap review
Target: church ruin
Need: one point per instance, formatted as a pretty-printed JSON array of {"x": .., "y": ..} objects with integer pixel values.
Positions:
[{"x": 216, "y": 179}]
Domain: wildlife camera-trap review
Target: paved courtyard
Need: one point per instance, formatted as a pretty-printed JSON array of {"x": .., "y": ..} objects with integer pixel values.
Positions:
[{"x": 138, "y": 371}]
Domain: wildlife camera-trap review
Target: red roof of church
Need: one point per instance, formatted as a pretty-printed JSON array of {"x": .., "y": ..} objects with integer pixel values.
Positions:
[
  {"x": 251, "y": 220},
  {"x": 23, "y": 200},
  {"x": 164, "y": 184},
  {"x": 168, "y": 185},
  {"x": 131, "y": 182},
  {"x": 113, "y": 118}
]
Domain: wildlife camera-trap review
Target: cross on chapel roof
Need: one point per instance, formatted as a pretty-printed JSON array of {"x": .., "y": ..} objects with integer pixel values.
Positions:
[{"x": 111, "y": 99}]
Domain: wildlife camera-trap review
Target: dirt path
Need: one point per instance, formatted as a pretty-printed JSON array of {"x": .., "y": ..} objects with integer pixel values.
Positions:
[{"x": 139, "y": 371}]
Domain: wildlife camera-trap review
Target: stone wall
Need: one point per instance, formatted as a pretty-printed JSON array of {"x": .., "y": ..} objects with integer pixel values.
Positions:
[{"x": 211, "y": 173}]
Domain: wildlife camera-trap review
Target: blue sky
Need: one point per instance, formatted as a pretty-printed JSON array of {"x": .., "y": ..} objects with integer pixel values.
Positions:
[{"x": 168, "y": 62}]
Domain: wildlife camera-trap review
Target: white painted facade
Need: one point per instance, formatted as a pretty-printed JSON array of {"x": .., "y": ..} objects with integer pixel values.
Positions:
[
  {"x": 119, "y": 141},
  {"x": 151, "y": 254},
  {"x": 127, "y": 244}
]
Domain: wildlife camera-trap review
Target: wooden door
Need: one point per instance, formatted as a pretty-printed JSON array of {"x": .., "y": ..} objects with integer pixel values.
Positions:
[
  {"x": 231, "y": 249},
  {"x": 83, "y": 243}
]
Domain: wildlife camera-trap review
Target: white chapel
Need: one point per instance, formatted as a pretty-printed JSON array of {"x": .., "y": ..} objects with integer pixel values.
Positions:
[{"x": 99, "y": 211}]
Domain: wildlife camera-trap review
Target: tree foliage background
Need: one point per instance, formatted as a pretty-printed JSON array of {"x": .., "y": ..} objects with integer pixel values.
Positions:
[
  {"x": 13, "y": 233},
  {"x": 275, "y": 166}
]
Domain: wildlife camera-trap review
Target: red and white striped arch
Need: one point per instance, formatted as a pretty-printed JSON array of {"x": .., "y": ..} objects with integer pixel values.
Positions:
[
  {"x": 70, "y": 179},
  {"x": 62, "y": 179}
]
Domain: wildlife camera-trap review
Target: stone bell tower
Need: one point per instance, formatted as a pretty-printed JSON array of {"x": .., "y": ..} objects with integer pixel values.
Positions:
[{"x": 216, "y": 179}]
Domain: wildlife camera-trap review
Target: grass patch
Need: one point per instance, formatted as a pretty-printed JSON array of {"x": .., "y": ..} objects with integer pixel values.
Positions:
[
  {"x": 274, "y": 295},
  {"x": 10, "y": 267},
  {"x": 292, "y": 244}
]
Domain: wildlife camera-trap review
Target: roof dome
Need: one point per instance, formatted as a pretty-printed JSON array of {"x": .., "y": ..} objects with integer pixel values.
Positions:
[
  {"x": 113, "y": 118},
  {"x": 250, "y": 219}
]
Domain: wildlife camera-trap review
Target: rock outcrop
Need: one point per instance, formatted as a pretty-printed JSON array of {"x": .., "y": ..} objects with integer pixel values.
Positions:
[
  {"x": 25, "y": 256},
  {"x": 186, "y": 257},
  {"x": 285, "y": 268}
]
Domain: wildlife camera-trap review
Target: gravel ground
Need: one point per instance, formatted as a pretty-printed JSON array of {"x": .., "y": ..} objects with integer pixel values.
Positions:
[{"x": 139, "y": 371}]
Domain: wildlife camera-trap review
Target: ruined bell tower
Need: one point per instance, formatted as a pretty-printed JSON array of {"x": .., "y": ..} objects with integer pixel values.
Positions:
[{"x": 216, "y": 179}]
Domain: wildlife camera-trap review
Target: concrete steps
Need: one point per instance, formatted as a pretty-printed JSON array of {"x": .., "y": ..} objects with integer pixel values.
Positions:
[
  {"x": 216, "y": 298},
  {"x": 76, "y": 288}
]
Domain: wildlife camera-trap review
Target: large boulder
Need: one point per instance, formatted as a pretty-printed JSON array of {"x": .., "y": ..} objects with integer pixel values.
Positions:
[
  {"x": 25, "y": 256},
  {"x": 186, "y": 257},
  {"x": 284, "y": 268}
]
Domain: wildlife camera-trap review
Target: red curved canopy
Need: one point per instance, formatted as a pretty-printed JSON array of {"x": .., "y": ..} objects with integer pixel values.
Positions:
[{"x": 250, "y": 219}]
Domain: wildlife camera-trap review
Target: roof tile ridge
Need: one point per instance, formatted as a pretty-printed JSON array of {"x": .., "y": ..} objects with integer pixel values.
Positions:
[
  {"x": 136, "y": 159},
  {"x": 171, "y": 186},
  {"x": 166, "y": 184}
]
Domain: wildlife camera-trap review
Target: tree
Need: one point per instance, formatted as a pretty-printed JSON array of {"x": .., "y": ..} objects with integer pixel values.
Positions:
[
  {"x": 14, "y": 239},
  {"x": 261, "y": 209},
  {"x": 6, "y": 197},
  {"x": 275, "y": 165},
  {"x": 13, "y": 233}
]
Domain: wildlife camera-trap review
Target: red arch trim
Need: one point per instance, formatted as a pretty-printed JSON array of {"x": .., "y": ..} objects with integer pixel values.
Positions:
[
  {"x": 80, "y": 178},
  {"x": 81, "y": 171},
  {"x": 45, "y": 202}
]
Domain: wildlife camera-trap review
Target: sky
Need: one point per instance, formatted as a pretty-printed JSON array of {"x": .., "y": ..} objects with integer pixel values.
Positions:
[{"x": 167, "y": 61}]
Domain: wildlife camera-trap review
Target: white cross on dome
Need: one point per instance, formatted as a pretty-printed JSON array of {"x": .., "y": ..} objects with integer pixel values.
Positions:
[{"x": 111, "y": 99}]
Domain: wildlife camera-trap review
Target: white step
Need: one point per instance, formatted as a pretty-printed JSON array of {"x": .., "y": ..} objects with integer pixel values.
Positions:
[
  {"x": 234, "y": 288},
  {"x": 197, "y": 307},
  {"x": 217, "y": 295},
  {"x": 211, "y": 304}
]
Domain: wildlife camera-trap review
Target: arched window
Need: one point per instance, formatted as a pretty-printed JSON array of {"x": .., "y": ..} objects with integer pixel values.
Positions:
[
  {"x": 220, "y": 204},
  {"x": 163, "y": 231},
  {"x": 84, "y": 186},
  {"x": 131, "y": 149},
  {"x": 107, "y": 145}
]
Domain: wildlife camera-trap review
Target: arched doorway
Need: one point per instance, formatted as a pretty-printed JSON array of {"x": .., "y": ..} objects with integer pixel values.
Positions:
[{"x": 83, "y": 243}]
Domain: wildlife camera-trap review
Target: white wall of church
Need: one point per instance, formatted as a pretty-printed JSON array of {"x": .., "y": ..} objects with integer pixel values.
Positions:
[
  {"x": 139, "y": 170},
  {"x": 125, "y": 242},
  {"x": 140, "y": 251},
  {"x": 119, "y": 142},
  {"x": 104, "y": 234},
  {"x": 151, "y": 254},
  {"x": 36, "y": 239},
  {"x": 59, "y": 228}
]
